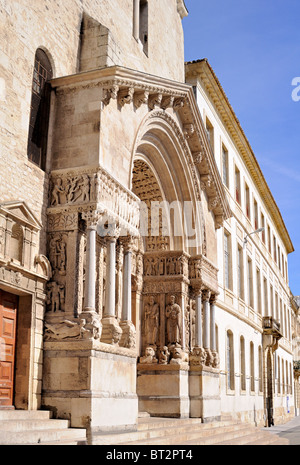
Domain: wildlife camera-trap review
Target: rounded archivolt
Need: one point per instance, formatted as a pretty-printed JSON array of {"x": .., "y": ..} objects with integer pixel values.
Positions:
[{"x": 163, "y": 170}]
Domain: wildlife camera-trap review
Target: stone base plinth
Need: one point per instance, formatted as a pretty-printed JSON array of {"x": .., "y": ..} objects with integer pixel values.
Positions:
[
  {"x": 92, "y": 384},
  {"x": 163, "y": 390},
  {"x": 204, "y": 391}
]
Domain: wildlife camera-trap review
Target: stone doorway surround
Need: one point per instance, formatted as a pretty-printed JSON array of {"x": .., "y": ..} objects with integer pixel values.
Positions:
[{"x": 24, "y": 273}]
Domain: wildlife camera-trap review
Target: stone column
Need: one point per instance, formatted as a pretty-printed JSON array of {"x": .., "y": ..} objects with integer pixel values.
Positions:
[
  {"x": 206, "y": 314},
  {"x": 213, "y": 346},
  {"x": 90, "y": 274},
  {"x": 112, "y": 332},
  {"x": 129, "y": 334},
  {"x": 110, "y": 277},
  {"x": 89, "y": 313},
  {"x": 198, "y": 318}
]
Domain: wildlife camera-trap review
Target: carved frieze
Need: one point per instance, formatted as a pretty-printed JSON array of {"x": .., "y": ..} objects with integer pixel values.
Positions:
[
  {"x": 89, "y": 190},
  {"x": 166, "y": 264},
  {"x": 73, "y": 329}
]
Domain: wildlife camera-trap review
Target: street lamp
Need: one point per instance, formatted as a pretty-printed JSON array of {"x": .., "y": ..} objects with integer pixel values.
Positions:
[{"x": 254, "y": 232}]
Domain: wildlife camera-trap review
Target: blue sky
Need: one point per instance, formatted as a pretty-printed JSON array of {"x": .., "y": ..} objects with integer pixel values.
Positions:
[{"x": 254, "y": 49}]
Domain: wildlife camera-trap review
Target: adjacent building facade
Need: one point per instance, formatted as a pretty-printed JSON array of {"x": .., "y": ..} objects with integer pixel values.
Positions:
[
  {"x": 255, "y": 306},
  {"x": 130, "y": 277}
]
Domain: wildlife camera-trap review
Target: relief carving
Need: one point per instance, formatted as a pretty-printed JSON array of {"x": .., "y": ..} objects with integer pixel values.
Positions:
[
  {"x": 173, "y": 314},
  {"x": 179, "y": 357},
  {"x": 55, "y": 297},
  {"x": 58, "y": 253},
  {"x": 151, "y": 318},
  {"x": 80, "y": 329},
  {"x": 163, "y": 355},
  {"x": 66, "y": 329},
  {"x": 149, "y": 357}
]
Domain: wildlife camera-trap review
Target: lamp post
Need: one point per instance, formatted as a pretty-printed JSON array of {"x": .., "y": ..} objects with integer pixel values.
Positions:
[{"x": 254, "y": 232}]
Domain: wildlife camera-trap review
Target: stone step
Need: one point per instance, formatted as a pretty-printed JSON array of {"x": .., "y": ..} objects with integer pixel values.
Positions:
[
  {"x": 30, "y": 427},
  {"x": 189, "y": 432},
  {"x": 192, "y": 436},
  {"x": 157, "y": 433},
  {"x": 25, "y": 414},
  {"x": 256, "y": 439},
  {"x": 41, "y": 437}
]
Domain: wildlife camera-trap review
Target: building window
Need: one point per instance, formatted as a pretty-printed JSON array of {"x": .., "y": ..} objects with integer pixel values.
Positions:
[
  {"x": 247, "y": 199},
  {"x": 274, "y": 249},
  {"x": 255, "y": 215},
  {"x": 40, "y": 110},
  {"x": 278, "y": 376},
  {"x": 237, "y": 186},
  {"x": 252, "y": 371},
  {"x": 243, "y": 363},
  {"x": 210, "y": 134},
  {"x": 225, "y": 166},
  {"x": 227, "y": 260},
  {"x": 250, "y": 283},
  {"x": 240, "y": 272},
  {"x": 282, "y": 377},
  {"x": 266, "y": 301},
  {"x": 258, "y": 290},
  {"x": 262, "y": 225},
  {"x": 272, "y": 301},
  {"x": 144, "y": 24},
  {"x": 269, "y": 239},
  {"x": 230, "y": 361},
  {"x": 140, "y": 22},
  {"x": 260, "y": 367}
]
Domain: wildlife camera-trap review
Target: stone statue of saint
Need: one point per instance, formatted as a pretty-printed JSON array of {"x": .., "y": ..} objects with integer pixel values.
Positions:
[
  {"x": 151, "y": 321},
  {"x": 173, "y": 312}
]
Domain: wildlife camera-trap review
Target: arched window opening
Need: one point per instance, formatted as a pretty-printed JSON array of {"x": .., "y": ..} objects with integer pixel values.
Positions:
[
  {"x": 39, "y": 110},
  {"x": 140, "y": 22},
  {"x": 260, "y": 367},
  {"x": 252, "y": 383},
  {"x": 230, "y": 361},
  {"x": 243, "y": 364}
]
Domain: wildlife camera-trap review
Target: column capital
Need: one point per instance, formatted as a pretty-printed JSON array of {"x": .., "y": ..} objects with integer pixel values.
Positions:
[
  {"x": 213, "y": 298},
  {"x": 113, "y": 233},
  {"x": 92, "y": 218},
  {"x": 127, "y": 242},
  {"x": 206, "y": 295}
]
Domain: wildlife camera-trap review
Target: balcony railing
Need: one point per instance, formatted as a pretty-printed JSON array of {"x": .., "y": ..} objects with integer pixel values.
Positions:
[
  {"x": 271, "y": 326},
  {"x": 297, "y": 366}
]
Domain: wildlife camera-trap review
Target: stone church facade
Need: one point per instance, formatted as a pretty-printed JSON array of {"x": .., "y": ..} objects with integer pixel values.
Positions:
[{"x": 111, "y": 213}]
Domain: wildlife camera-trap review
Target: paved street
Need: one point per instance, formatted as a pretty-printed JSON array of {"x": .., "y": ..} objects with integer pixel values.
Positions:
[{"x": 290, "y": 431}]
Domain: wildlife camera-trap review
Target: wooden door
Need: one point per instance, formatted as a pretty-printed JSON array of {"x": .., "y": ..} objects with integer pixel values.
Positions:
[{"x": 8, "y": 323}]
